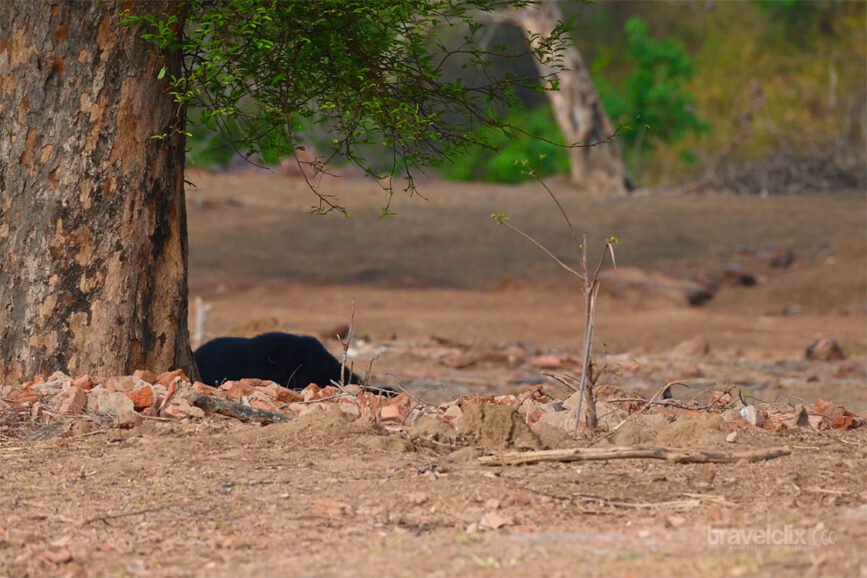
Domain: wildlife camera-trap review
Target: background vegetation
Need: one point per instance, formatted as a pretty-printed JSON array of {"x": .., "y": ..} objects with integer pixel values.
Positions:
[{"x": 691, "y": 84}]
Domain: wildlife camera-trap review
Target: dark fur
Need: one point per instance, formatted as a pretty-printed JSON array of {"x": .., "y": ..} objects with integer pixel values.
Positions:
[{"x": 292, "y": 361}]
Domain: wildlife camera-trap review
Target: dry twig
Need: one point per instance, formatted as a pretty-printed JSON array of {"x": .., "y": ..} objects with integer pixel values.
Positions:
[{"x": 680, "y": 456}]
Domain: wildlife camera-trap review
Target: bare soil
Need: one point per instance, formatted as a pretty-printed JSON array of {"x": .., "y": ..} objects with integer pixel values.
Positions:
[{"x": 326, "y": 496}]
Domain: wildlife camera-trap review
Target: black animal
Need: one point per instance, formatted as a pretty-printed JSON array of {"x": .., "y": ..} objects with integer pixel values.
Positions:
[{"x": 293, "y": 361}]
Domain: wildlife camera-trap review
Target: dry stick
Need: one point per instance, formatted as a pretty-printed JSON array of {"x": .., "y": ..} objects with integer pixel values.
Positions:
[
  {"x": 673, "y": 455},
  {"x": 561, "y": 378},
  {"x": 107, "y": 517},
  {"x": 591, "y": 290},
  {"x": 345, "y": 345}
]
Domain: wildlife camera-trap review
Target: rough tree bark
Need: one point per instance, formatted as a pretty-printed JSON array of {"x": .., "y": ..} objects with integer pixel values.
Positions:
[
  {"x": 577, "y": 107},
  {"x": 93, "y": 277}
]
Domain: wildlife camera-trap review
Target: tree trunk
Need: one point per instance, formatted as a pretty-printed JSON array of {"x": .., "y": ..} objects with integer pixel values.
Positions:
[
  {"x": 577, "y": 107},
  {"x": 93, "y": 277}
]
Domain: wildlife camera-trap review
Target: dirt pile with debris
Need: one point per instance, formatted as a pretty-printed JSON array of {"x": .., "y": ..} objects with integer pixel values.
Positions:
[{"x": 62, "y": 405}]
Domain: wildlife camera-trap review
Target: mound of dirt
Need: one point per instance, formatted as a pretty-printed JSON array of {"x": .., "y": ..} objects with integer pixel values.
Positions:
[
  {"x": 682, "y": 431},
  {"x": 496, "y": 427}
]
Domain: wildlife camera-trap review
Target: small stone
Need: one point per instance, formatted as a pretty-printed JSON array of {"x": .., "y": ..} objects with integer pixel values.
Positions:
[
  {"x": 119, "y": 406},
  {"x": 71, "y": 401},
  {"x": 120, "y": 383},
  {"x": 180, "y": 408},
  {"x": 168, "y": 377},
  {"x": 824, "y": 349},
  {"x": 391, "y": 413},
  {"x": 60, "y": 378},
  {"x": 753, "y": 416},
  {"x": 397, "y": 408},
  {"x": 264, "y": 405},
  {"x": 93, "y": 398},
  {"x": 286, "y": 395},
  {"x": 331, "y": 509},
  {"x": 142, "y": 397},
  {"x": 236, "y": 390},
  {"x": 546, "y": 361},
  {"x": 801, "y": 418},
  {"x": 58, "y": 556},
  {"x": 732, "y": 437},
  {"x": 697, "y": 346},
  {"x": 47, "y": 388},
  {"x": 113, "y": 403},
  {"x": 146, "y": 376},
  {"x": 311, "y": 392},
  {"x": 205, "y": 389},
  {"x": 674, "y": 521},
  {"x": 84, "y": 382},
  {"x": 453, "y": 412},
  {"x": 22, "y": 397},
  {"x": 417, "y": 498},
  {"x": 493, "y": 521}
]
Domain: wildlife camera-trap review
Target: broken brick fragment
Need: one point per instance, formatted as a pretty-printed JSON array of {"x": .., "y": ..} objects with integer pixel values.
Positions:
[
  {"x": 146, "y": 375},
  {"x": 84, "y": 382},
  {"x": 142, "y": 397},
  {"x": 71, "y": 401},
  {"x": 168, "y": 377}
]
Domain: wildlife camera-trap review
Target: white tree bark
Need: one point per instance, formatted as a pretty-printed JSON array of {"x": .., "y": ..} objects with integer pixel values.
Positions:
[{"x": 598, "y": 163}]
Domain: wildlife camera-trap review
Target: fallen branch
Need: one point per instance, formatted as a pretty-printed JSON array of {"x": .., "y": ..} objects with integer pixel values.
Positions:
[
  {"x": 672, "y": 455},
  {"x": 236, "y": 410},
  {"x": 104, "y": 519}
]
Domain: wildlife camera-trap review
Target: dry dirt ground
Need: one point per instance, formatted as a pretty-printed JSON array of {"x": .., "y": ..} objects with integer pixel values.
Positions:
[{"x": 325, "y": 496}]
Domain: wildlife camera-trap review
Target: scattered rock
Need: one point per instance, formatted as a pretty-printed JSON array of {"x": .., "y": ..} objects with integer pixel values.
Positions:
[
  {"x": 697, "y": 346},
  {"x": 801, "y": 418},
  {"x": 835, "y": 416},
  {"x": 168, "y": 377},
  {"x": 396, "y": 409},
  {"x": 674, "y": 521},
  {"x": 142, "y": 397},
  {"x": 119, "y": 406},
  {"x": 732, "y": 437},
  {"x": 824, "y": 349},
  {"x": 778, "y": 257},
  {"x": 120, "y": 383},
  {"x": 753, "y": 416},
  {"x": 453, "y": 412},
  {"x": 71, "y": 401},
  {"x": 332, "y": 509},
  {"x": 417, "y": 498},
  {"x": 146, "y": 376},
  {"x": 493, "y": 521},
  {"x": 546, "y": 362},
  {"x": 205, "y": 389},
  {"x": 60, "y": 378},
  {"x": 311, "y": 392},
  {"x": 734, "y": 275},
  {"x": 693, "y": 293},
  {"x": 180, "y": 408},
  {"x": 84, "y": 382}
]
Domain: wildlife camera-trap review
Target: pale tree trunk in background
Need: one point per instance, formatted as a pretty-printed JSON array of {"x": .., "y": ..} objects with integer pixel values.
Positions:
[
  {"x": 577, "y": 107},
  {"x": 93, "y": 277}
]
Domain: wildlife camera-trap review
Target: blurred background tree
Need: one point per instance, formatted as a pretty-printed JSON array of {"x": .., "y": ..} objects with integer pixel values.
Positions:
[{"x": 762, "y": 94}]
